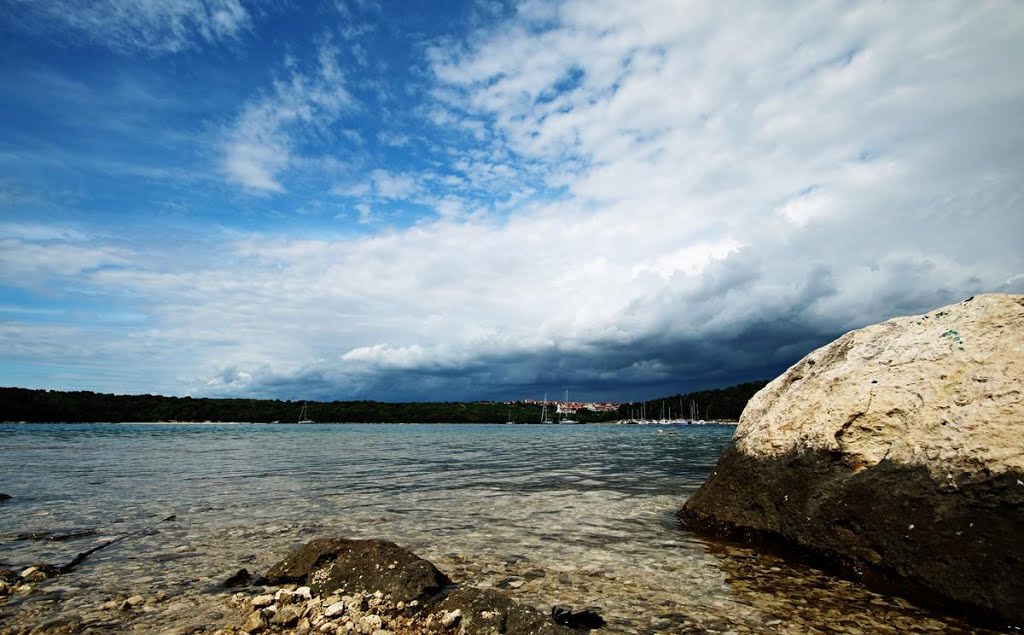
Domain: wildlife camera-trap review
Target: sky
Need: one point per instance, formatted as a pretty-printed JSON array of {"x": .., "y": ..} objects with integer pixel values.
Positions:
[{"x": 447, "y": 201}]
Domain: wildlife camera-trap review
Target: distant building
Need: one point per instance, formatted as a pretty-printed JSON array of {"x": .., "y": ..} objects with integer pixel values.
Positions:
[{"x": 571, "y": 407}]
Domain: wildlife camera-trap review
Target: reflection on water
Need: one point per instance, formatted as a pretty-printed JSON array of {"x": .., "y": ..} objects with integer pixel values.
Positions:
[{"x": 580, "y": 515}]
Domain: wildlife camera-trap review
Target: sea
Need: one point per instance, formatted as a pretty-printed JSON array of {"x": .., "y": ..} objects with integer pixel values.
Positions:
[{"x": 580, "y": 515}]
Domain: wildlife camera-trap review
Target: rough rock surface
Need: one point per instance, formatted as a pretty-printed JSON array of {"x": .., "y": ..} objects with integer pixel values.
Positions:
[
  {"x": 327, "y": 565},
  {"x": 489, "y": 611},
  {"x": 349, "y": 594},
  {"x": 896, "y": 451}
]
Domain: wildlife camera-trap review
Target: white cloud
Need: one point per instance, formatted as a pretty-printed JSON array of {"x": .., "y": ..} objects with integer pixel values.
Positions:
[
  {"x": 393, "y": 186},
  {"x": 365, "y": 212},
  {"x": 393, "y": 139},
  {"x": 153, "y": 26},
  {"x": 352, "y": 190},
  {"x": 728, "y": 186},
  {"x": 260, "y": 143}
]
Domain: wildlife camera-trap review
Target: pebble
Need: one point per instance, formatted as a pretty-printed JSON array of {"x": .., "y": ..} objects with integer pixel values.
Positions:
[
  {"x": 286, "y": 615},
  {"x": 451, "y": 618},
  {"x": 369, "y": 623},
  {"x": 260, "y": 601},
  {"x": 334, "y": 609},
  {"x": 256, "y": 623}
]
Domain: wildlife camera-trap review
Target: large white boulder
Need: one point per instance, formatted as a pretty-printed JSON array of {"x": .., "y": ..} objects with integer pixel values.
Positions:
[{"x": 896, "y": 452}]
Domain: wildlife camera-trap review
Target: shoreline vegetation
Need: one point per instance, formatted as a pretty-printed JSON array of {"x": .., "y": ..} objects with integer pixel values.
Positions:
[{"x": 24, "y": 405}]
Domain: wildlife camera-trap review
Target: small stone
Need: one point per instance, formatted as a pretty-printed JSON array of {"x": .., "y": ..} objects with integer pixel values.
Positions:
[
  {"x": 334, "y": 609},
  {"x": 109, "y": 606},
  {"x": 303, "y": 592},
  {"x": 23, "y": 589},
  {"x": 587, "y": 618},
  {"x": 260, "y": 601},
  {"x": 286, "y": 616},
  {"x": 29, "y": 571},
  {"x": 369, "y": 623},
  {"x": 136, "y": 600},
  {"x": 257, "y": 622},
  {"x": 451, "y": 618},
  {"x": 515, "y": 584}
]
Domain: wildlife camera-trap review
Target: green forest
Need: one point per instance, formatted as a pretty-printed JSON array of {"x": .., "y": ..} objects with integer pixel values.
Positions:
[
  {"x": 719, "y": 403},
  {"x": 42, "y": 406}
]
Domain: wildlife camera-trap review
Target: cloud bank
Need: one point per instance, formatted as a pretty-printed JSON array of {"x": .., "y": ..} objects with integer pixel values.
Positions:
[{"x": 686, "y": 195}]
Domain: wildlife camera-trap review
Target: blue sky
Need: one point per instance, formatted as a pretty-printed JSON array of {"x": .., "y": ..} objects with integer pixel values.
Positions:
[{"x": 461, "y": 200}]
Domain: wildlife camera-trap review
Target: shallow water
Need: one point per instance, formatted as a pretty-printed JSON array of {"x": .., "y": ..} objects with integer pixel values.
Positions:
[{"x": 580, "y": 515}]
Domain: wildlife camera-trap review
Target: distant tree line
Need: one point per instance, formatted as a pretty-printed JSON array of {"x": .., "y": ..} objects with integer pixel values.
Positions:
[
  {"x": 719, "y": 403},
  {"x": 39, "y": 406}
]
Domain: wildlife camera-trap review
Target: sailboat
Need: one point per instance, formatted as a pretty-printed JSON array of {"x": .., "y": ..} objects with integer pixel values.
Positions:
[
  {"x": 568, "y": 419},
  {"x": 544, "y": 411},
  {"x": 303, "y": 416}
]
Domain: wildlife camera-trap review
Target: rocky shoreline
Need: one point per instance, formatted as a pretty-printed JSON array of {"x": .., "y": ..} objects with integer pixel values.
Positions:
[
  {"x": 335, "y": 586},
  {"x": 292, "y": 597}
]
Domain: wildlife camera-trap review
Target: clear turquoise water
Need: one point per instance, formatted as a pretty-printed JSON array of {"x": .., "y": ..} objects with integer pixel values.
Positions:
[{"x": 579, "y": 514}]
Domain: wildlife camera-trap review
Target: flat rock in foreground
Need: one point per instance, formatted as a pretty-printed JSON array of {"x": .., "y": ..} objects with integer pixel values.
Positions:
[
  {"x": 368, "y": 586},
  {"x": 487, "y": 611},
  {"x": 329, "y": 565},
  {"x": 897, "y": 450}
]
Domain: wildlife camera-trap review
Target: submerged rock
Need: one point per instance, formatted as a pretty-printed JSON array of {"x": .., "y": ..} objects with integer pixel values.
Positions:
[
  {"x": 896, "y": 452},
  {"x": 4, "y": 497},
  {"x": 486, "y": 611},
  {"x": 239, "y": 578},
  {"x": 588, "y": 618},
  {"x": 327, "y": 565}
]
